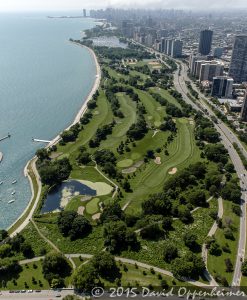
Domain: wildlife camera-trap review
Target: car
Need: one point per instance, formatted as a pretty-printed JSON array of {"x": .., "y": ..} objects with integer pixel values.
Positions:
[
  {"x": 38, "y": 291},
  {"x": 58, "y": 295},
  {"x": 30, "y": 291},
  {"x": 23, "y": 291}
]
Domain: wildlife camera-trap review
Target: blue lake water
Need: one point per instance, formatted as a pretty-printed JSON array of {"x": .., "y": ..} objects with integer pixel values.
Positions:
[
  {"x": 44, "y": 80},
  {"x": 70, "y": 188}
]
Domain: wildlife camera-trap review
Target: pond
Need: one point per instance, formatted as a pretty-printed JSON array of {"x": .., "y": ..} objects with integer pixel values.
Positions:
[
  {"x": 59, "y": 196},
  {"x": 109, "y": 42}
]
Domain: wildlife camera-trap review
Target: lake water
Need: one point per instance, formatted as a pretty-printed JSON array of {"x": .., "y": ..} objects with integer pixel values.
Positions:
[
  {"x": 64, "y": 192},
  {"x": 44, "y": 80}
]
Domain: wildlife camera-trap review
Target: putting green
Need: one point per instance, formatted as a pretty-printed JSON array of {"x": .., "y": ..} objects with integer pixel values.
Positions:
[
  {"x": 101, "y": 188},
  {"x": 125, "y": 163},
  {"x": 92, "y": 206},
  {"x": 135, "y": 155}
]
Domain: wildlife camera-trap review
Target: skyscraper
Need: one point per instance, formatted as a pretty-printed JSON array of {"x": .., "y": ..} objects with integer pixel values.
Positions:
[
  {"x": 205, "y": 43},
  {"x": 84, "y": 13},
  {"x": 177, "y": 47},
  {"x": 222, "y": 86},
  {"x": 244, "y": 109},
  {"x": 209, "y": 70},
  {"x": 238, "y": 66}
]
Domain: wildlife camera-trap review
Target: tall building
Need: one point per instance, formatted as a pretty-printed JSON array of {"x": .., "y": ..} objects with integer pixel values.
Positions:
[
  {"x": 192, "y": 62},
  {"x": 218, "y": 52},
  {"x": 238, "y": 66},
  {"x": 127, "y": 28},
  {"x": 177, "y": 48},
  {"x": 222, "y": 87},
  {"x": 210, "y": 70},
  {"x": 244, "y": 109},
  {"x": 205, "y": 43},
  {"x": 169, "y": 46},
  {"x": 84, "y": 13}
]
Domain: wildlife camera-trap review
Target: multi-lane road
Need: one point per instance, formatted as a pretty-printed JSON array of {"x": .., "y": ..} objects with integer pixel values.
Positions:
[{"x": 228, "y": 138}]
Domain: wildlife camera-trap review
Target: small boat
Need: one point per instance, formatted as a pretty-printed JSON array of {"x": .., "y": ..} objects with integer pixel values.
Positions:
[
  {"x": 1, "y": 182},
  {"x": 14, "y": 181},
  {"x": 11, "y": 201},
  {"x": 13, "y": 193}
]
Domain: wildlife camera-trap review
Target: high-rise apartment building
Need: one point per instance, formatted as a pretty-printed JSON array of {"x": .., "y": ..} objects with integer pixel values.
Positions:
[
  {"x": 205, "y": 43},
  {"x": 244, "y": 109},
  {"x": 222, "y": 87},
  {"x": 177, "y": 48},
  {"x": 238, "y": 66},
  {"x": 210, "y": 70},
  {"x": 84, "y": 13}
]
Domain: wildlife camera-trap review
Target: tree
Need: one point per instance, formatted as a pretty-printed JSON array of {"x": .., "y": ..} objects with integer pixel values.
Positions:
[
  {"x": 215, "y": 249},
  {"x": 83, "y": 158},
  {"x": 236, "y": 209},
  {"x": 229, "y": 265},
  {"x": 158, "y": 204},
  {"x": 73, "y": 225},
  {"x": 117, "y": 237},
  {"x": 3, "y": 235},
  {"x": 105, "y": 265},
  {"x": 65, "y": 220},
  {"x": 170, "y": 252},
  {"x": 184, "y": 214},
  {"x": 197, "y": 198},
  {"x": 244, "y": 268},
  {"x": 80, "y": 228},
  {"x": 27, "y": 250},
  {"x": 112, "y": 212},
  {"x": 190, "y": 240},
  {"x": 86, "y": 278},
  {"x": 167, "y": 223},
  {"x": 55, "y": 265},
  {"x": 16, "y": 242},
  {"x": 181, "y": 268},
  {"x": 9, "y": 266},
  {"x": 151, "y": 232},
  {"x": 5, "y": 250},
  {"x": 42, "y": 154}
]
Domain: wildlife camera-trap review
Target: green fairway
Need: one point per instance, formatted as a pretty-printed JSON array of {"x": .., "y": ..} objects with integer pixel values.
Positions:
[{"x": 92, "y": 206}]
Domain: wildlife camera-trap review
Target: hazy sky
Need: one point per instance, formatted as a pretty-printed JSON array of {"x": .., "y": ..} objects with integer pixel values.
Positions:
[{"x": 24, "y": 5}]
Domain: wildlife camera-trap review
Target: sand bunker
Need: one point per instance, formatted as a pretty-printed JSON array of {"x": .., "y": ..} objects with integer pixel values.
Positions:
[
  {"x": 157, "y": 160},
  {"x": 96, "y": 216},
  {"x": 67, "y": 195},
  {"x": 86, "y": 198},
  {"x": 133, "y": 168},
  {"x": 80, "y": 210},
  {"x": 173, "y": 171},
  {"x": 101, "y": 188}
]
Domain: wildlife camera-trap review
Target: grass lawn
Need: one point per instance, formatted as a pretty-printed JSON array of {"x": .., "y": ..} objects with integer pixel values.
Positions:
[
  {"x": 29, "y": 271},
  {"x": 216, "y": 264}
]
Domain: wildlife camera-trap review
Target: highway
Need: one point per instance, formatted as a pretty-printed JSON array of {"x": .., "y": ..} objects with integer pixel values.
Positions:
[
  {"x": 42, "y": 295},
  {"x": 228, "y": 138}
]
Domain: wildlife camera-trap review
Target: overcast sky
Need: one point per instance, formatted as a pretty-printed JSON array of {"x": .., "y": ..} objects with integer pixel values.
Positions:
[{"x": 27, "y": 5}]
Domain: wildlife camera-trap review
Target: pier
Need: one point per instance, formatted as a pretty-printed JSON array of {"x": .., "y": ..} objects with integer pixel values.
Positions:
[
  {"x": 5, "y": 137},
  {"x": 41, "y": 141}
]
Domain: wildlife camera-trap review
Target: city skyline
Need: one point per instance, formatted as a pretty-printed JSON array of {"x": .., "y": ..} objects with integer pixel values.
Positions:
[{"x": 43, "y": 5}]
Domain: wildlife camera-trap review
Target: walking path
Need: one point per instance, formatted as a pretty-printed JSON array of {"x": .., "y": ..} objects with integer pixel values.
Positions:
[{"x": 123, "y": 260}]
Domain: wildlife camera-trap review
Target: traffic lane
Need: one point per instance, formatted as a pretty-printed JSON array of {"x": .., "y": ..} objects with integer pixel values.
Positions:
[{"x": 42, "y": 295}]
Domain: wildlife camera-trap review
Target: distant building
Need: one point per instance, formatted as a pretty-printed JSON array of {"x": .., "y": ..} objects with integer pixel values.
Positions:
[
  {"x": 218, "y": 52},
  {"x": 209, "y": 70},
  {"x": 177, "y": 48},
  {"x": 205, "y": 43},
  {"x": 127, "y": 28},
  {"x": 222, "y": 87},
  {"x": 238, "y": 65},
  {"x": 244, "y": 109},
  {"x": 84, "y": 13}
]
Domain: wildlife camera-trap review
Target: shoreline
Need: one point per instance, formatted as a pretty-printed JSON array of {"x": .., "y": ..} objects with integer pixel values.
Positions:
[{"x": 32, "y": 161}]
